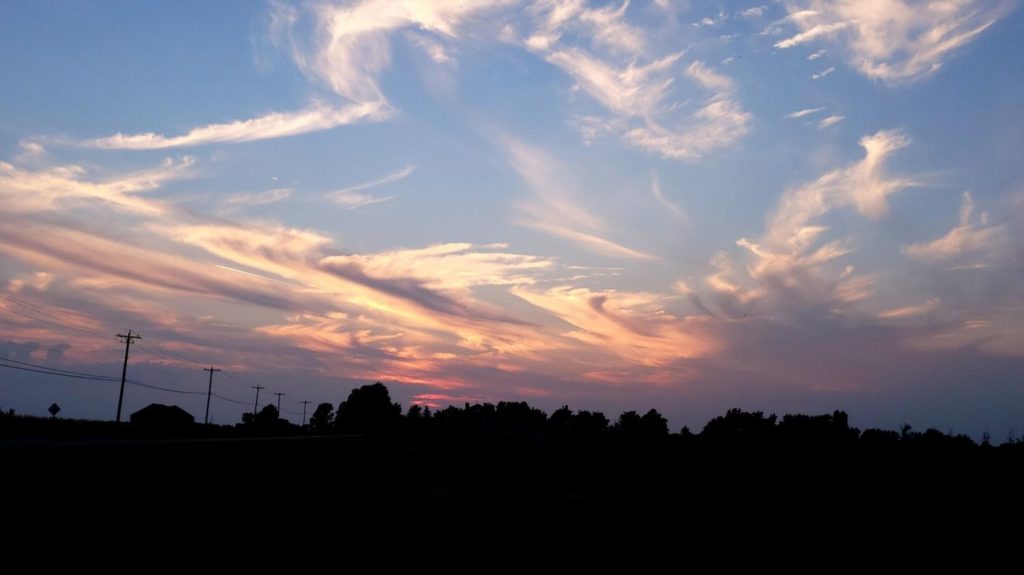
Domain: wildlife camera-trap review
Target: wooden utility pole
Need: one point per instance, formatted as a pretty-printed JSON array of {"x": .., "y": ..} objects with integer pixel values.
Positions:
[
  {"x": 279, "y": 394},
  {"x": 209, "y": 392},
  {"x": 127, "y": 339},
  {"x": 304, "y": 404},
  {"x": 257, "y": 404}
]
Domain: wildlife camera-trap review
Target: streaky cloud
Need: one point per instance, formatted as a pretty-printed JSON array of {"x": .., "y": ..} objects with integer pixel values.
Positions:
[
  {"x": 661, "y": 199},
  {"x": 275, "y": 195},
  {"x": 555, "y": 207},
  {"x": 892, "y": 40},
  {"x": 830, "y": 121},
  {"x": 965, "y": 239},
  {"x": 351, "y": 197},
  {"x": 275, "y": 125},
  {"x": 804, "y": 112}
]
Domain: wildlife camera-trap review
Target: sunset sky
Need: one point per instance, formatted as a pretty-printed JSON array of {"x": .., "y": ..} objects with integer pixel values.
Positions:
[{"x": 793, "y": 206}]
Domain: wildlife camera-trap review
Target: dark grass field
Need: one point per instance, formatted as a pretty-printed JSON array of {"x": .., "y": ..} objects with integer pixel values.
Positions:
[{"x": 501, "y": 480}]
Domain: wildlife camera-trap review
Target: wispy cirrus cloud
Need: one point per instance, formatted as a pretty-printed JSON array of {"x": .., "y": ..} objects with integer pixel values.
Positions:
[
  {"x": 353, "y": 197},
  {"x": 643, "y": 332},
  {"x": 892, "y": 40},
  {"x": 639, "y": 92},
  {"x": 802, "y": 113},
  {"x": 965, "y": 240},
  {"x": 659, "y": 196},
  {"x": 555, "y": 207},
  {"x": 349, "y": 47},
  {"x": 823, "y": 73},
  {"x": 237, "y": 201},
  {"x": 830, "y": 121},
  {"x": 791, "y": 265},
  {"x": 275, "y": 125},
  {"x": 911, "y": 310}
]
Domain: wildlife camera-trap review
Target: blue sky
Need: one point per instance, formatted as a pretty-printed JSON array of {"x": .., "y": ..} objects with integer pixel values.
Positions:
[{"x": 786, "y": 206}]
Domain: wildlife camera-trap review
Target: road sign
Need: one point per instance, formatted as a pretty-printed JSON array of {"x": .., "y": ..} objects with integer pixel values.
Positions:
[{"x": 54, "y": 410}]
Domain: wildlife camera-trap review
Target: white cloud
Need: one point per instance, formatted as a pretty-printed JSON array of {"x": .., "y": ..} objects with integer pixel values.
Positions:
[
  {"x": 451, "y": 265},
  {"x": 556, "y": 208},
  {"x": 61, "y": 188},
  {"x": 819, "y": 54},
  {"x": 610, "y": 29},
  {"x": 830, "y": 121},
  {"x": 661, "y": 199},
  {"x": 791, "y": 260},
  {"x": 257, "y": 198},
  {"x": 804, "y": 112},
  {"x": 350, "y": 48},
  {"x": 912, "y": 310},
  {"x": 966, "y": 239},
  {"x": 893, "y": 40},
  {"x": 823, "y": 73},
  {"x": 641, "y": 95},
  {"x": 276, "y": 125},
  {"x": 433, "y": 49},
  {"x": 351, "y": 198},
  {"x": 754, "y": 12},
  {"x": 354, "y": 200},
  {"x": 811, "y": 34}
]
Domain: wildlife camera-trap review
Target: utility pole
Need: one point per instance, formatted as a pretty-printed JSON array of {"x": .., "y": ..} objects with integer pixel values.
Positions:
[
  {"x": 279, "y": 394},
  {"x": 304, "y": 404},
  {"x": 209, "y": 392},
  {"x": 257, "y": 404},
  {"x": 127, "y": 339}
]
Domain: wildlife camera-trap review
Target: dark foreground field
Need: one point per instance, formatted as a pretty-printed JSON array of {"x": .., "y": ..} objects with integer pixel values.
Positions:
[{"x": 503, "y": 480}]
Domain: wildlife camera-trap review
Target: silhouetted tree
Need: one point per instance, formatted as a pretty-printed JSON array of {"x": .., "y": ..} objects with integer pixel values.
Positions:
[
  {"x": 267, "y": 421},
  {"x": 323, "y": 418},
  {"x": 518, "y": 418},
  {"x": 560, "y": 422},
  {"x": 831, "y": 431},
  {"x": 368, "y": 409},
  {"x": 739, "y": 427},
  {"x": 653, "y": 424},
  {"x": 418, "y": 419},
  {"x": 628, "y": 425},
  {"x": 880, "y": 439},
  {"x": 589, "y": 424}
]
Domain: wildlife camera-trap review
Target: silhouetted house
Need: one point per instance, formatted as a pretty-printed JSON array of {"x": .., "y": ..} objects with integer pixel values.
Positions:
[{"x": 162, "y": 415}]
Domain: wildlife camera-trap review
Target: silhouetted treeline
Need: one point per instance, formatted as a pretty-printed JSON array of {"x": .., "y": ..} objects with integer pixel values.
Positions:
[{"x": 370, "y": 410}]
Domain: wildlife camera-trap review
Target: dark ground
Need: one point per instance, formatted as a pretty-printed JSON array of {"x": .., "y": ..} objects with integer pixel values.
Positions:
[{"x": 505, "y": 480}]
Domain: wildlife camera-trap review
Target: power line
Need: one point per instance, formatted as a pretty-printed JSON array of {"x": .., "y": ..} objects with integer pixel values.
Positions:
[
  {"x": 238, "y": 401},
  {"x": 67, "y": 371},
  {"x": 181, "y": 391},
  {"x": 94, "y": 378},
  {"x": 36, "y": 308},
  {"x": 36, "y": 368},
  {"x": 168, "y": 354},
  {"x": 60, "y": 323}
]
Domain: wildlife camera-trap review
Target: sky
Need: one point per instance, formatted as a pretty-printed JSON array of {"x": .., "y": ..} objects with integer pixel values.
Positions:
[{"x": 793, "y": 206}]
